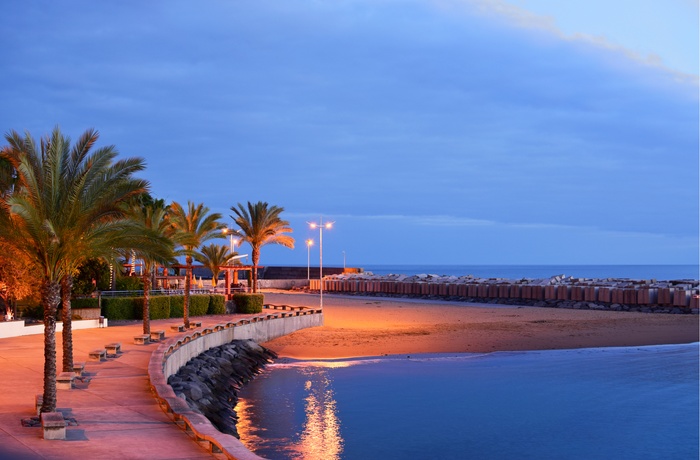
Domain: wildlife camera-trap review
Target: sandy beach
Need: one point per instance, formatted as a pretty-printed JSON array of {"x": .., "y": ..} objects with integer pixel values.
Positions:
[{"x": 375, "y": 326}]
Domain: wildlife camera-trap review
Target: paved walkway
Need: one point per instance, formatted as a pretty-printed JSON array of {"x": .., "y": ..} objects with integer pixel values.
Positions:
[{"x": 118, "y": 417}]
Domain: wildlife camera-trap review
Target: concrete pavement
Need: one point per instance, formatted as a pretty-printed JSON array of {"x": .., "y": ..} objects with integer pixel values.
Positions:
[{"x": 117, "y": 415}]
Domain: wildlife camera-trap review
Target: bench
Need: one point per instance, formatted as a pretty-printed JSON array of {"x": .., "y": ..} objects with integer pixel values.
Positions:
[
  {"x": 157, "y": 336},
  {"x": 195, "y": 325},
  {"x": 98, "y": 355},
  {"x": 78, "y": 368},
  {"x": 64, "y": 380},
  {"x": 54, "y": 425},
  {"x": 113, "y": 349},
  {"x": 141, "y": 339},
  {"x": 178, "y": 328}
]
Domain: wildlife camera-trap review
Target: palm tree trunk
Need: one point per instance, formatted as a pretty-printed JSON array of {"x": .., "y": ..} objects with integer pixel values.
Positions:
[
  {"x": 256, "y": 259},
  {"x": 188, "y": 279},
  {"x": 147, "y": 303},
  {"x": 66, "y": 317},
  {"x": 50, "y": 297}
]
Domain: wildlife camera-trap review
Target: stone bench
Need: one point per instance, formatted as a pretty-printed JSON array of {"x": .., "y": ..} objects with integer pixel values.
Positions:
[
  {"x": 38, "y": 402},
  {"x": 157, "y": 336},
  {"x": 195, "y": 325},
  {"x": 98, "y": 355},
  {"x": 78, "y": 368},
  {"x": 54, "y": 425},
  {"x": 113, "y": 349},
  {"x": 141, "y": 339},
  {"x": 64, "y": 380},
  {"x": 178, "y": 328}
]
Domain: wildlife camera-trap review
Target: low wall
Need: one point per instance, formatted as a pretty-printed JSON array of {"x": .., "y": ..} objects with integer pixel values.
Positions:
[
  {"x": 171, "y": 355},
  {"x": 18, "y": 328},
  {"x": 283, "y": 284}
]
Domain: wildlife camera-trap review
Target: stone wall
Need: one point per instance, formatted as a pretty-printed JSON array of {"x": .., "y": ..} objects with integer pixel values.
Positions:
[{"x": 173, "y": 354}]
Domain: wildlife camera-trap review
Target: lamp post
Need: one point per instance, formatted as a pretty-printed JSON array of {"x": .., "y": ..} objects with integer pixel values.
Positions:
[
  {"x": 309, "y": 243},
  {"x": 320, "y": 225}
]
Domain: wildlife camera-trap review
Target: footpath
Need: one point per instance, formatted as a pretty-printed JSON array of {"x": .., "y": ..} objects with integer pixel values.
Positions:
[{"x": 117, "y": 415}]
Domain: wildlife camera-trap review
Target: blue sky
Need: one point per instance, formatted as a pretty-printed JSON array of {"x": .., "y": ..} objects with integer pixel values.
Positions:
[{"x": 431, "y": 132}]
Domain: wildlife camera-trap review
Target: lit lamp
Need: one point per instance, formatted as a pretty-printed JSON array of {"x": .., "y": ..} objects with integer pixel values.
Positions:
[
  {"x": 309, "y": 243},
  {"x": 320, "y": 226}
]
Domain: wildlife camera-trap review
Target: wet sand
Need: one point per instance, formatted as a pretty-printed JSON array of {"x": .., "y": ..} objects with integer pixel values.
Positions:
[{"x": 375, "y": 326}]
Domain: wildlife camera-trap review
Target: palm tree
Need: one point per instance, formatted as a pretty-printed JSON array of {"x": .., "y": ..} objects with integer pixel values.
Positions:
[
  {"x": 154, "y": 217},
  {"x": 65, "y": 208},
  {"x": 191, "y": 229},
  {"x": 214, "y": 256},
  {"x": 261, "y": 224}
]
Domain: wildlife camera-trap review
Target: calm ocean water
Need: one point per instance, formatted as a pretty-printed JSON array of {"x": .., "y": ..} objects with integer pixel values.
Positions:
[
  {"x": 659, "y": 272},
  {"x": 602, "y": 403}
]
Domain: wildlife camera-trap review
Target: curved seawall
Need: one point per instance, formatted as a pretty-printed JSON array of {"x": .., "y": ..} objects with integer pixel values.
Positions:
[{"x": 172, "y": 355}]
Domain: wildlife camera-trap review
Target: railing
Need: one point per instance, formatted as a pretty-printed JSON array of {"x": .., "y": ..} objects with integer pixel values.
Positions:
[{"x": 153, "y": 292}]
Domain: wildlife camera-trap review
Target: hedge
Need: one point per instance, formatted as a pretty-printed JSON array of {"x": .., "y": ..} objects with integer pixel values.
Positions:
[
  {"x": 160, "y": 306},
  {"x": 177, "y": 306},
  {"x": 85, "y": 302},
  {"x": 199, "y": 304},
  {"x": 248, "y": 303},
  {"x": 217, "y": 305},
  {"x": 116, "y": 308}
]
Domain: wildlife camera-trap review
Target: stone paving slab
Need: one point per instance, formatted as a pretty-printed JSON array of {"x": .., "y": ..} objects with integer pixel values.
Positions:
[{"x": 117, "y": 415}]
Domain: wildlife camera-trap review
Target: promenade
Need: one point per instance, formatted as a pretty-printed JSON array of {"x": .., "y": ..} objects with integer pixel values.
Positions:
[{"x": 117, "y": 415}]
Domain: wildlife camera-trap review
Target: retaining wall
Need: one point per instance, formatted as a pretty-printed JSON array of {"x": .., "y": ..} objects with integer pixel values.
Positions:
[{"x": 170, "y": 356}]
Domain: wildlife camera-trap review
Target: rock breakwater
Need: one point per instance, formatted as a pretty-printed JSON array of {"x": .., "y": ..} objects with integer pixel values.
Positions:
[
  {"x": 673, "y": 296},
  {"x": 210, "y": 382}
]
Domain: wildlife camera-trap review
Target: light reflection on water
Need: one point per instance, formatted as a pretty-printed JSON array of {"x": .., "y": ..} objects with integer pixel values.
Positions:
[{"x": 317, "y": 428}]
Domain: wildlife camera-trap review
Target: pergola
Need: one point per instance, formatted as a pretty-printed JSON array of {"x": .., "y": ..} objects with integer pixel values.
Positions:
[{"x": 230, "y": 271}]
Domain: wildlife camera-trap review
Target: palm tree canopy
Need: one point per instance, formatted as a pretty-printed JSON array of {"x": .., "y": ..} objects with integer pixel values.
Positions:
[
  {"x": 155, "y": 220},
  {"x": 193, "y": 227},
  {"x": 66, "y": 206},
  {"x": 260, "y": 224},
  {"x": 214, "y": 256}
]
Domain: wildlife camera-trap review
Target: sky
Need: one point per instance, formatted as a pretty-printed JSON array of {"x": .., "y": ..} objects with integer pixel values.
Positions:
[{"x": 429, "y": 132}]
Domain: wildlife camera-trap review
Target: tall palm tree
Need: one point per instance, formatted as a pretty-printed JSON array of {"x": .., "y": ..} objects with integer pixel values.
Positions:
[
  {"x": 66, "y": 206},
  {"x": 214, "y": 256},
  {"x": 260, "y": 224},
  {"x": 191, "y": 229},
  {"x": 154, "y": 217}
]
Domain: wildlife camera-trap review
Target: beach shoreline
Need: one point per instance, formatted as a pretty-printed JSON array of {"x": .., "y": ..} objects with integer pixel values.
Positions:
[{"x": 357, "y": 326}]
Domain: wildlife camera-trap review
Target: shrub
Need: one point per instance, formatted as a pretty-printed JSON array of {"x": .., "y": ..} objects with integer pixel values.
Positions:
[
  {"x": 177, "y": 306},
  {"x": 159, "y": 307},
  {"x": 129, "y": 283},
  {"x": 116, "y": 308},
  {"x": 199, "y": 304},
  {"x": 217, "y": 305},
  {"x": 248, "y": 303},
  {"x": 85, "y": 302}
]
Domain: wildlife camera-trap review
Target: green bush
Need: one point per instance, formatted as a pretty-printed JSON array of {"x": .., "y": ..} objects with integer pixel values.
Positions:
[
  {"x": 248, "y": 303},
  {"x": 85, "y": 302},
  {"x": 159, "y": 307},
  {"x": 199, "y": 304},
  {"x": 129, "y": 283},
  {"x": 217, "y": 305},
  {"x": 116, "y": 308},
  {"x": 177, "y": 306}
]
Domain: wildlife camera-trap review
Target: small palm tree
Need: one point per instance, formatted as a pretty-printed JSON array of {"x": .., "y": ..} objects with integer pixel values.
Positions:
[
  {"x": 260, "y": 224},
  {"x": 213, "y": 256},
  {"x": 153, "y": 216},
  {"x": 65, "y": 207},
  {"x": 191, "y": 229}
]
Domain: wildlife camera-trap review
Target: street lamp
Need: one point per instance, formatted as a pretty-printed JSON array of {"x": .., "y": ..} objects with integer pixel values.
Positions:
[
  {"x": 233, "y": 242},
  {"x": 309, "y": 243},
  {"x": 320, "y": 226}
]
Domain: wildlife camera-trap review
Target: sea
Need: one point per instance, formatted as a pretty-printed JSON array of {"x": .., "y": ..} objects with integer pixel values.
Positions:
[
  {"x": 658, "y": 272},
  {"x": 599, "y": 403}
]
